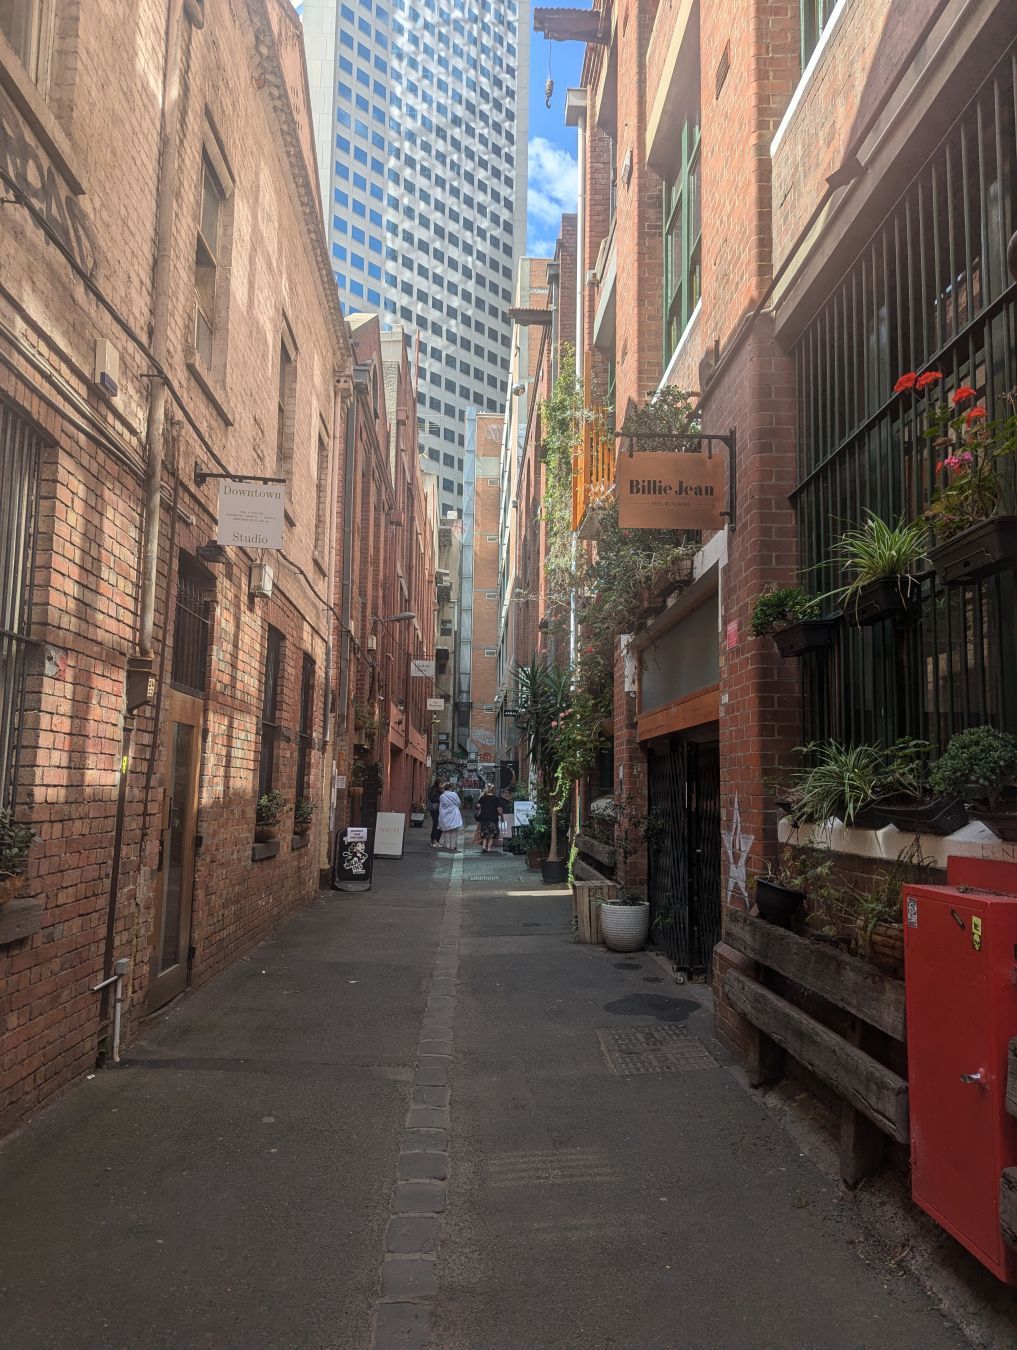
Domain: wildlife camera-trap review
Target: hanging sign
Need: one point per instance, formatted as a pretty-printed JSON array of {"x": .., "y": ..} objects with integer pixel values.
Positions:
[
  {"x": 251, "y": 514},
  {"x": 423, "y": 670},
  {"x": 353, "y": 859},
  {"x": 662, "y": 491},
  {"x": 435, "y": 705}
]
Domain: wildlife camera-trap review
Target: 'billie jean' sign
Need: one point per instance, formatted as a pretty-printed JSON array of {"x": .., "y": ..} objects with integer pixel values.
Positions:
[{"x": 663, "y": 491}]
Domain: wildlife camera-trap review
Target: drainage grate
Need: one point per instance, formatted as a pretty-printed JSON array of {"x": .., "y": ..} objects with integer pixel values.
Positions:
[
  {"x": 660, "y": 1049},
  {"x": 548, "y": 1167}
]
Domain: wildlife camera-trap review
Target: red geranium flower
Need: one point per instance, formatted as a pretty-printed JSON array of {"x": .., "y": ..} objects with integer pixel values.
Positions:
[
  {"x": 905, "y": 383},
  {"x": 974, "y": 415},
  {"x": 962, "y": 394},
  {"x": 939, "y": 466},
  {"x": 930, "y": 377}
]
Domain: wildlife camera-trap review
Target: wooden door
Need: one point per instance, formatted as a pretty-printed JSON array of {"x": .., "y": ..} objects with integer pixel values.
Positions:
[{"x": 179, "y": 828}]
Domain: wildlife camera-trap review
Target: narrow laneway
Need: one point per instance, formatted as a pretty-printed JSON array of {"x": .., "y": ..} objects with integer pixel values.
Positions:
[{"x": 275, "y": 1164}]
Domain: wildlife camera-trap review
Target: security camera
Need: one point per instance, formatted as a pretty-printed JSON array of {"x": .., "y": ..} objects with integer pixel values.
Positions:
[{"x": 518, "y": 389}]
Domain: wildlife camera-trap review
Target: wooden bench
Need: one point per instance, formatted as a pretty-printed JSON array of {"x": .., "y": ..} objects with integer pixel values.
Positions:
[{"x": 874, "y": 1098}]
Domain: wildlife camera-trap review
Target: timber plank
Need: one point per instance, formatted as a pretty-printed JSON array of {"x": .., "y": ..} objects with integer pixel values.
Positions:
[
  {"x": 868, "y": 1086},
  {"x": 1008, "y": 1205},
  {"x": 582, "y": 871},
  {"x": 844, "y": 980},
  {"x": 603, "y": 853},
  {"x": 19, "y": 919}
]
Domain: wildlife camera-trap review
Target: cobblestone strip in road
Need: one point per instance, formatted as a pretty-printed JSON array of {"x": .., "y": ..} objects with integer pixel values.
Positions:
[{"x": 409, "y": 1266}]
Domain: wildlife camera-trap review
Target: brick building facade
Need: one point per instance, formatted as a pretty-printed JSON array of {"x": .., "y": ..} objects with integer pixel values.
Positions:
[
  {"x": 167, "y": 308},
  {"x": 749, "y": 196}
]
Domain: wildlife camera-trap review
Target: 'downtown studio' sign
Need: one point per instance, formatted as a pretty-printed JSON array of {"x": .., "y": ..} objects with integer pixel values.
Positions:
[
  {"x": 251, "y": 514},
  {"x": 662, "y": 491}
]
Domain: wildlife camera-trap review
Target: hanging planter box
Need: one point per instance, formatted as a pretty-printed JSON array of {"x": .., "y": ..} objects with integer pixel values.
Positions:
[
  {"x": 1002, "y": 822},
  {"x": 884, "y": 598},
  {"x": 942, "y": 816},
  {"x": 869, "y": 818},
  {"x": 807, "y": 635},
  {"x": 981, "y": 551}
]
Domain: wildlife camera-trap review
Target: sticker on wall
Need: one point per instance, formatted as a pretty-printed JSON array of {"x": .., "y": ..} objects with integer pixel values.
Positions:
[
  {"x": 912, "y": 911},
  {"x": 737, "y": 846},
  {"x": 976, "y": 933}
]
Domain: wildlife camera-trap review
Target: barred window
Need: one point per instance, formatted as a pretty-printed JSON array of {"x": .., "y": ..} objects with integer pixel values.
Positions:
[
  {"x": 190, "y": 627},
  {"x": 683, "y": 235},
  {"x": 929, "y": 290},
  {"x": 19, "y": 478},
  {"x": 305, "y": 734},
  {"x": 270, "y": 709}
]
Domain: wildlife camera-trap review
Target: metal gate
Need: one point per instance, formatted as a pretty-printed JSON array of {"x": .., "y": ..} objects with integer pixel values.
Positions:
[{"x": 684, "y": 851}]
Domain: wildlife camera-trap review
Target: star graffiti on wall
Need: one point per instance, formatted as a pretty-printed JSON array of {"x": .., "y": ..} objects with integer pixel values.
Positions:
[{"x": 737, "y": 846}]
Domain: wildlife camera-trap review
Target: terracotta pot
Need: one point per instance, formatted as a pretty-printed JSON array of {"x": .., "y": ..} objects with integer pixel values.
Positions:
[
  {"x": 534, "y": 858},
  {"x": 886, "y": 946}
]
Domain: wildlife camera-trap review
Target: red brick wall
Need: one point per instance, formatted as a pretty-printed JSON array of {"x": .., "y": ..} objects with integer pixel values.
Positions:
[{"x": 86, "y": 582}]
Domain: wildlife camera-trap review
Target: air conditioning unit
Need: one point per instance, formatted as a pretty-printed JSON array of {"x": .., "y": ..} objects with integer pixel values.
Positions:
[
  {"x": 441, "y": 577},
  {"x": 372, "y": 643}
]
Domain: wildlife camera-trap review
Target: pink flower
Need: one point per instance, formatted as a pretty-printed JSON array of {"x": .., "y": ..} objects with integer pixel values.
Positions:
[
  {"x": 952, "y": 462},
  {"x": 974, "y": 415},
  {"x": 554, "y": 724},
  {"x": 962, "y": 394},
  {"x": 930, "y": 377},
  {"x": 905, "y": 383},
  {"x": 968, "y": 457}
]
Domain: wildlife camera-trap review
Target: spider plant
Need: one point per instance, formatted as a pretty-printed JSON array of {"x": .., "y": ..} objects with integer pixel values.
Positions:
[
  {"x": 842, "y": 780},
  {"x": 878, "y": 550}
]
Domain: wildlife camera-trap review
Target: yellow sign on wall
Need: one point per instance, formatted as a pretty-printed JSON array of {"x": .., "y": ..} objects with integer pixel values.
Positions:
[{"x": 661, "y": 491}]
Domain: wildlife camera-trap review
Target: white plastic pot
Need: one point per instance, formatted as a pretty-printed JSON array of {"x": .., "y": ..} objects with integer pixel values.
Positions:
[{"x": 624, "y": 928}]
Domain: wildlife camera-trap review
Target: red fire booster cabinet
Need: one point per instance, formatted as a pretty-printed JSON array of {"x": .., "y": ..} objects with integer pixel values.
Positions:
[{"x": 961, "y": 984}]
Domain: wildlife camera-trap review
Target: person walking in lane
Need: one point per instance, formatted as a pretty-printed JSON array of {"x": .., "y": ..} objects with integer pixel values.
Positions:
[
  {"x": 433, "y": 803},
  {"x": 489, "y": 813},
  {"x": 450, "y": 818}
]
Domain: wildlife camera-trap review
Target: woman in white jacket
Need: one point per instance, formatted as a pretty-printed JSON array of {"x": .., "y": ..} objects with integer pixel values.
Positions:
[{"x": 450, "y": 818}]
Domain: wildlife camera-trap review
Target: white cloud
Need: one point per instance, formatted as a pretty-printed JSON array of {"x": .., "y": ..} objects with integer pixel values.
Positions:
[{"x": 552, "y": 187}]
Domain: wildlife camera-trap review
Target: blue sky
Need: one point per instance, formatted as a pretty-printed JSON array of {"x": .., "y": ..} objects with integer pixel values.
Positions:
[{"x": 552, "y": 147}]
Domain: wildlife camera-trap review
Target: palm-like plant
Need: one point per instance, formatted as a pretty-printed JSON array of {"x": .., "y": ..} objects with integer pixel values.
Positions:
[{"x": 544, "y": 694}]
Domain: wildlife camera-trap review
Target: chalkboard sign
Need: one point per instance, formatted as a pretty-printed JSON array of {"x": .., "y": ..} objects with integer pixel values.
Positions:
[{"x": 353, "y": 859}]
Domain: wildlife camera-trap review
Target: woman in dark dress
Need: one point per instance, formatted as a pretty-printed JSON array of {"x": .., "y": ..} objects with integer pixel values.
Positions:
[
  {"x": 433, "y": 798},
  {"x": 489, "y": 814}
]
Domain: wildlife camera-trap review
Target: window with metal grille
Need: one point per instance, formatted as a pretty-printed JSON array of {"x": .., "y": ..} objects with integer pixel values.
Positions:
[
  {"x": 930, "y": 290},
  {"x": 189, "y": 670},
  {"x": 305, "y": 734},
  {"x": 270, "y": 709},
  {"x": 19, "y": 478},
  {"x": 683, "y": 233}
]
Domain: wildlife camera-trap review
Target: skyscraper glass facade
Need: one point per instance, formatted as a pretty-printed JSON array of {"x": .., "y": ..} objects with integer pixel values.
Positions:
[{"x": 422, "y": 155}]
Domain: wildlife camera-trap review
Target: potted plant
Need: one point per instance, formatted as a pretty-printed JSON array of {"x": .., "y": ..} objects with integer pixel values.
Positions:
[
  {"x": 303, "y": 814},
  {"x": 910, "y": 803},
  {"x": 878, "y": 559},
  {"x": 974, "y": 537},
  {"x": 791, "y": 617},
  {"x": 15, "y": 841},
  {"x": 803, "y": 874},
  {"x": 980, "y": 765},
  {"x": 625, "y": 922},
  {"x": 418, "y": 814},
  {"x": 846, "y": 782},
  {"x": 271, "y": 806}
]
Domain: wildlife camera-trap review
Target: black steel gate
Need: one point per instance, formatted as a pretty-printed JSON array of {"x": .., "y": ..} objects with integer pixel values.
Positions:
[{"x": 684, "y": 851}]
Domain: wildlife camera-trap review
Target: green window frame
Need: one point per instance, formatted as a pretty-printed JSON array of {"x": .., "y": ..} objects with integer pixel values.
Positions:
[
  {"x": 683, "y": 238},
  {"x": 815, "y": 15}
]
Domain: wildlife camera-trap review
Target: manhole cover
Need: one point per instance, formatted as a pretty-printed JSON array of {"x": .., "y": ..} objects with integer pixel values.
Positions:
[{"x": 659, "y": 1049}]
